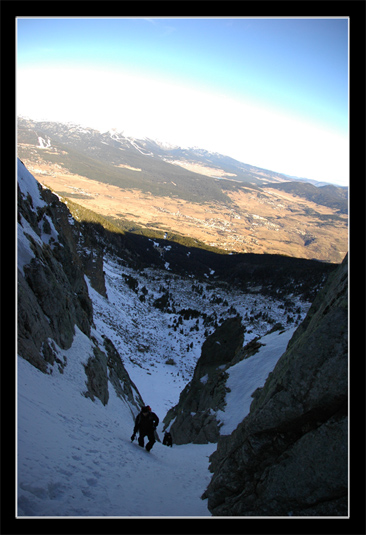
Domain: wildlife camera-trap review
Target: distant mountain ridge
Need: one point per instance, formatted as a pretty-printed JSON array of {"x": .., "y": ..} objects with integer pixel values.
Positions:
[
  {"x": 329, "y": 195},
  {"x": 61, "y": 132},
  {"x": 87, "y": 152}
]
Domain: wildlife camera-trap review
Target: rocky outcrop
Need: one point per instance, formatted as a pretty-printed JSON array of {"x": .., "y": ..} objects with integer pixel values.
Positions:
[
  {"x": 55, "y": 252},
  {"x": 52, "y": 292},
  {"x": 193, "y": 419},
  {"x": 289, "y": 456},
  {"x": 123, "y": 385},
  {"x": 104, "y": 367}
]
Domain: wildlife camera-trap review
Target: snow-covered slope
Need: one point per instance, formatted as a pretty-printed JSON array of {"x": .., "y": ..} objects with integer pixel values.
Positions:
[
  {"x": 248, "y": 375},
  {"x": 74, "y": 455},
  {"x": 147, "y": 337}
]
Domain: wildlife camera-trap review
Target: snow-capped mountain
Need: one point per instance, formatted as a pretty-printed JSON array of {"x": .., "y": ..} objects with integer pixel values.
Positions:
[
  {"x": 109, "y": 322},
  {"x": 189, "y": 193}
]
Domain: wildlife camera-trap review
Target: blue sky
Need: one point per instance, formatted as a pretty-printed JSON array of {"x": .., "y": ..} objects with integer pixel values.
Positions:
[{"x": 269, "y": 92}]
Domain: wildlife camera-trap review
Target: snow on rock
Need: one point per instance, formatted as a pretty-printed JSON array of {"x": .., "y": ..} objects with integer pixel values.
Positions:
[
  {"x": 145, "y": 338},
  {"x": 24, "y": 251},
  {"x": 29, "y": 185},
  {"x": 248, "y": 375},
  {"x": 43, "y": 144},
  {"x": 30, "y": 188}
]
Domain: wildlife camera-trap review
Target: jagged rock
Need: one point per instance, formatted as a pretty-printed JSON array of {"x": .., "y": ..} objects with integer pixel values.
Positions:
[
  {"x": 289, "y": 456},
  {"x": 107, "y": 366},
  {"x": 194, "y": 415},
  {"x": 33, "y": 327},
  {"x": 53, "y": 295},
  {"x": 125, "y": 388},
  {"x": 96, "y": 371},
  {"x": 91, "y": 255}
]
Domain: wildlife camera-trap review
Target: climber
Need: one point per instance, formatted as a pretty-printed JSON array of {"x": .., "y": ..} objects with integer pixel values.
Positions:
[
  {"x": 146, "y": 422},
  {"x": 168, "y": 441}
]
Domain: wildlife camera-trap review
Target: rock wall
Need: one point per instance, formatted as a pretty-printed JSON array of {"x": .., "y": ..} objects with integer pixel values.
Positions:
[
  {"x": 52, "y": 292},
  {"x": 55, "y": 252},
  {"x": 193, "y": 419},
  {"x": 289, "y": 456}
]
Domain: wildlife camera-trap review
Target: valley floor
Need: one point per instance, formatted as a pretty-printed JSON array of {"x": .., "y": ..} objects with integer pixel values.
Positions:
[{"x": 266, "y": 221}]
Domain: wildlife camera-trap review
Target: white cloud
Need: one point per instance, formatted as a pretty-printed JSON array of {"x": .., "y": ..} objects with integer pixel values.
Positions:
[{"x": 182, "y": 115}]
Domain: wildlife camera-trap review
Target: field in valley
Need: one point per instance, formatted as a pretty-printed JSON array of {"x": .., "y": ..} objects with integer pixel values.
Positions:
[{"x": 262, "y": 220}]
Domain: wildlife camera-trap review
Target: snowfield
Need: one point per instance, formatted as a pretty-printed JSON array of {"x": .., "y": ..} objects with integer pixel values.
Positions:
[{"x": 75, "y": 457}]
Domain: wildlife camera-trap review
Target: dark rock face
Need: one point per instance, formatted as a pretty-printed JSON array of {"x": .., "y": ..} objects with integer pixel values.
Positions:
[
  {"x": 96, "y": 371},
  {"x": 123, "y": 385},
  {"x": 53, "y": 295},
  {"x": 195, "y": 419},
  {"x": 289, "y": 456}
]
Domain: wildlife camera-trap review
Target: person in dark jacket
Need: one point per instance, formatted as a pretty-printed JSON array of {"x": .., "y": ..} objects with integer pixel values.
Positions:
[
  {"x": 168, "y": 440},
  {"x": 146, "y": 422}
]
